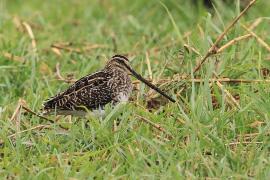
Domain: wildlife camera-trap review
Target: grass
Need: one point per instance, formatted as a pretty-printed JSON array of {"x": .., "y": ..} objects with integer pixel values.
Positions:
[{"x": 210, "y": 136}]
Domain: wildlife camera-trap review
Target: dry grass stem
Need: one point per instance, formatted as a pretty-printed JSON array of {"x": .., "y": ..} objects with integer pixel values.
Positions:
[
  {"x": 67, "y": 47},
  {"x": 148, "y": 65},
  {"x": 259, "y": 39},
  {"x": 89, "y": 47},
  {"x": 31, "y": 35},
  {"x": 18, "y": 24},
  {"x": 213, "y": 49},
  {"x": 192, "y": 49},
  {"x": 41, "y": 126},
  {"x": 17, "y": 113},
  {"x": 230, "y": 99},
  {"x": 156, "y": 126},
  {"x": 232, "y": 42},
  {"x": 251, "y": 135},
  {"x": 36, "y": 114},
  {"x": 13, "y": 57},
  {"x": 229, "y": 96},
  {"x": 60, "y": 77},
  {"x": 56, "y": 51},
  {"x": 42, "y": 117},
  {"x": 255, "y": 23},
  {"x": 244, "y": 143},
  {"x": 198, "y": 80}
]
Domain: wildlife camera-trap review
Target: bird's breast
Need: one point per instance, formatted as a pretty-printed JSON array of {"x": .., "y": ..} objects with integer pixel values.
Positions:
[{"x": 121, "y": 87}]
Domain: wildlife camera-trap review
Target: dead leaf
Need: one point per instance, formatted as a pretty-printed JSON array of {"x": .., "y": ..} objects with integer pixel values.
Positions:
[
  {"x": 44, "y": 68},
  {"x": 256, "y": 124},
  {"x": 56, "y": 51}
]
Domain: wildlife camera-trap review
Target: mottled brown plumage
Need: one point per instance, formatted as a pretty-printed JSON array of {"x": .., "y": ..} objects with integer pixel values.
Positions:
[{"x": 110, "y": 85}]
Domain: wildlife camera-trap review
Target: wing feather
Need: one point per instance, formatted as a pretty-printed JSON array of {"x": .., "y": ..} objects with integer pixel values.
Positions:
[{"x": 90, "y": 92}]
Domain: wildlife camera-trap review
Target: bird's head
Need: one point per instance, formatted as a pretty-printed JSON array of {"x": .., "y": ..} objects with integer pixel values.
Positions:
[{"x": 121, "y": 63}]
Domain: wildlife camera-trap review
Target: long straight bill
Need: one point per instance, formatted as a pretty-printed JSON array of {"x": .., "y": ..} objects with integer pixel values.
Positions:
[{"x": 139, "y": 77}]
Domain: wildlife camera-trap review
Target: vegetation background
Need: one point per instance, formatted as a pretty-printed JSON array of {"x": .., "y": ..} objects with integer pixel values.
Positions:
[{"x": 217, "y": 129}]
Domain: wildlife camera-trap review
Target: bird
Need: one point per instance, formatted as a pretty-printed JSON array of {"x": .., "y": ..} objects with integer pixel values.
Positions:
[{"x": 92, "y": 92}]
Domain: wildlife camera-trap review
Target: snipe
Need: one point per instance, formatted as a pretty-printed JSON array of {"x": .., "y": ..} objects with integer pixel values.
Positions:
[{"x": 94, "y": 91}]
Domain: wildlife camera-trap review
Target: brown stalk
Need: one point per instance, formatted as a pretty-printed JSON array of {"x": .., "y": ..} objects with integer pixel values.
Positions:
[
  {"x": 148, "y": 65},
  {"x": 66, "y": 46},
  {"x": 13, "y": 57},
  {"x": 18, "y": 24},
  {"x": 16, "y": 114},
  {"x": 230, "y": 99},
  {"x": 251, "y": 135},
  {"x": 214, "y": 48},
  {"x": 232, "y": 42},
  {"x": 60, "y": 77},
  {"x": 31, "y": 35},
  {"x": 259, "y": 39},
  {"x": 89, "y": 47},
  {"x": 41, "y": 126},
  {"x": 56, "y": 51},
  {"x": 69, "y": 49},
  {"x": 255, "y": 23},
  {"x": 36, "y": 114},
  {"x": 245, "y": 142},
  {"x": 42, "y": 117},
  {"x": 154, "y": 125},
  {"x": 224, "y": 80},
  {"x": 192, "y": 49}
]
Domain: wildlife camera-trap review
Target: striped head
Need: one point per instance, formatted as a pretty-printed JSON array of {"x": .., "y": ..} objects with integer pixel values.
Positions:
[{"x": 118, "y": 62}]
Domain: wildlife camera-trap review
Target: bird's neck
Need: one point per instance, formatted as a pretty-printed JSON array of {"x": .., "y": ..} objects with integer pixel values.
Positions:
[{"x": 115, "y": 69}]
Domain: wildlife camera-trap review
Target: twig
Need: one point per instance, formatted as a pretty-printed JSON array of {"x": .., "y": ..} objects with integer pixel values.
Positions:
[
  {"x": 231, "y": 99},
  {"x": 225, "y": 80},
  {"x": 245, "y": 142},
  {"x": 41, "y": 126},
  {"x": 213, "y": 49},
  {"x": 34, "y": 113},
  {"x": 250, "y": 135},
  {"x": 232, "y": 42},
  {"x": 228, "y": 80},
  {"x": 156, "y": 126},
  {"x": 260, "y": 40},
  {"x": 16, "y": 115},
  {"x": 42, "y": 117}
]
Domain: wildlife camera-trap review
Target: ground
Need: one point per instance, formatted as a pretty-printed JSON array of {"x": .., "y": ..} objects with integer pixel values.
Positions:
[{"x": 217, "y": 129}]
